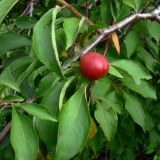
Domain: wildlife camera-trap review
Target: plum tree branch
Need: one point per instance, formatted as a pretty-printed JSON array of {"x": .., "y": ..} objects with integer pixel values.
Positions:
[{"x": 154, "y": 15}]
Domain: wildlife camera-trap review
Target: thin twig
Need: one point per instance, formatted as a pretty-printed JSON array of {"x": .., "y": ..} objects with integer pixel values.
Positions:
[
  {"x": 107, "y": 45},
  {"x": 72, "y": 9},
  {"x": 5, "y": 131},
  {"x": 155, "y": 15}
]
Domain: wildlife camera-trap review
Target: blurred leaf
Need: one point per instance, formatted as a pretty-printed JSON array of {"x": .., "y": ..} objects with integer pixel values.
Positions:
[
  {"x": 105, "y": 11},
  {"x": 72, "y": 27},
  {"x": 63, "y": 91},
  {"x": 93, "y": 129},
  {"x": 115, "y": 72},
  {"x": 7, "y": 80},
  {"x": 43, "y": 43},
  {"x": 26, "y": 73},
  {"x": 74, "y": 121},
  {"x": 5, "y": 7},
  {"x": 134, "y": 106},
  {"x": 15, "y": 41},
  {"x": 111, "y": 101},
  {"x": 144, "y": 88},
  {"x": 115, "y": 40},
  {"x": 13, "y": 98},
  {"x": 136, "y": 70},
  {"x": 38, "y": 111},
  {"x": 45, "y": 84},
  {"x": 135, "y": 4},
  {"x": 148, "y": 59},
  {"x": 131, "y": 42},
  {"x": 23, "y": 137},
  {"x": 101, "y": 87},
  {"x": 107, "y": 118},
  {"x": 24, "y": 22},
  {"x": 153, "y": 28}
]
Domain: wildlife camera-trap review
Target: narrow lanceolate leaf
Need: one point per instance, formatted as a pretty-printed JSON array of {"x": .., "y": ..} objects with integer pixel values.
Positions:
[
  {"x": 74, "y": 126},
  {"x": 134, "y": 106},
  {"x": 54, "y": 14},
  {"x": 135, "y": 70},
  {"x": 115, "y": 72},
  {"x": 5, "y": 7},
  {"x": 115, "y": 40},
  {"x": 23, "y": 137},
  {"x": 144, "y": 88},
  {"x": 131, "y": 42},
  {"x": 7, "y": 79},
  {"x": 72, "y": 27},
  {"x": 42, "y": 41},
  {"x": 107, "y": 118},
  {"x": 38, "y": 111},
  {"x": 93, "y": 129},
  {"x": 63, "y": 91}
]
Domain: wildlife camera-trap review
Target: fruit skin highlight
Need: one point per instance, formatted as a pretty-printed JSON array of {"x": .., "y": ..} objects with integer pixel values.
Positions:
[{"x": 93, "y": 65}]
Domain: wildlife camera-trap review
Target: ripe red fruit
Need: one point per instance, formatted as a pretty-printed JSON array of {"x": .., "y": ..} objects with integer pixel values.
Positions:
[{"x": 93, "y": 65}]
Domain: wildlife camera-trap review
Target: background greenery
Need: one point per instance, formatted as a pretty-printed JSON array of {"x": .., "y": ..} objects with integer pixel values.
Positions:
[{"x": 51, "y": 115}]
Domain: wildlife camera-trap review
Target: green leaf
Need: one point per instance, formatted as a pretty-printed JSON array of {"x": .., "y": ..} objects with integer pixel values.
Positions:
[
  {"x": 107, "y": 118},
  {"x": 54, "y": 14},
  {"x": 134, "y": 69},
  {"x": 111, "y": 101},
  {"x": 63, "y": 91},
  {"x": 15, "y": 41},
  {"x": 72, "y": 27},
  {"x": 23, "y": 137},
  {"x": 45, "y": 84},
  {"x": 147, "y": 58},
  {"x": 74, "y": 122},
  {"x": 134, "y": 106},
  {"x": 131, "y": 42},
  {"x": 144, "y": 88},
  {"x": 7, "y": 79},
  {"x": 101, "y": 87},
  {"x": 38, "y": 111},
  {"x": 5, "y": 7},
  {"x": 25, "y": 22},
  {"x": 26, "y": 73},
  {"x": 130, "y": 3},
  {"x": 115, "y": 72},
  {"x": 105, "y": 11},
  {"x": 42, "y": 41},
  {"x": 153, "y": 28},
  {"x": 13, "y": 98}
]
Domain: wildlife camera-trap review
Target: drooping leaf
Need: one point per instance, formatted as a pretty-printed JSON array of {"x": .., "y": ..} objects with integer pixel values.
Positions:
[
  {"x": 72, "y": 27},
  {"x": 136, "y": 70},
  {"x": 101, "y": 87},
  {"x": 130, "y": 3},
  {"x": 63, "y": 91},
  {"x": 107, "y": 118},
  {"x": 111, "y": 101},
  {"x": 131, "y": 42},
  {"x": 115, "y": 72},
  {"x": 74, "y": 122},
  {"x": 5, "y": 7},
  {"x": 115, "y": 40},
  {"x": 153, "y": 28},
  {"x": 42, "y": 41},
  {"x": 144, "y": 88},
  {"x": 38, "y": 111},
  {"x": 134, "y": 106},
  {"x": 93, "y": 129},
  {"x": 15, "y": 41},
  {"x": 7, "y": 79},
  {"x": 23, "y": 137},
  {"x": 105, "y": 12}
]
